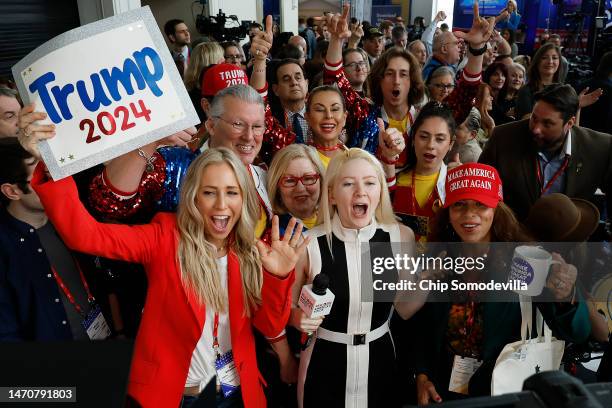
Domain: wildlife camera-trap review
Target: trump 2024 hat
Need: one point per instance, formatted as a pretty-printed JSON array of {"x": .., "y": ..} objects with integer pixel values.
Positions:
[
  {"x": 222, "y": 76},
  {"x": 474, "y": 181}
]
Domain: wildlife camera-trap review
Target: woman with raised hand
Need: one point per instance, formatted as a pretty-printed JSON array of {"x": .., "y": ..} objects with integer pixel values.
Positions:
[
  {"x": 209, "y": 281},
  {"x": 351, "y": 360},
  {"x": 396, "y": 86},
  {"x": 463, "y": 329}
]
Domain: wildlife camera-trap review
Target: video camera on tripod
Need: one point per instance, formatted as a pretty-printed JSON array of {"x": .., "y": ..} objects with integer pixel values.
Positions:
[{"x": 215, "y": 26}]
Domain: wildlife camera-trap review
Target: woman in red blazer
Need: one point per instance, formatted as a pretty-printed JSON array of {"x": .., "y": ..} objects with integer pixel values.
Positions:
[{"x": 216, "y": 216}]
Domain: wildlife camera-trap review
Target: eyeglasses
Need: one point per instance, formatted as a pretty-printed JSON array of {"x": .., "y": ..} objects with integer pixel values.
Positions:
[
  {"x": 306, "y": 180},
  {"x": 233, "y": 57},
  {"x": 444, "y": 87},
  {"x": 241, "y": 127},
  {"x": 363, "y": 66}
]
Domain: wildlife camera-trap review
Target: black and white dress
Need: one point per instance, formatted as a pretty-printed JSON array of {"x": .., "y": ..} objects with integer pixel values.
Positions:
[{"x": 363, "y": 373}]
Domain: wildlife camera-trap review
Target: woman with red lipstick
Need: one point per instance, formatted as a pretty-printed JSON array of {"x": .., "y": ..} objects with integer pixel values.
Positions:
[
  {"x": 209, "y": 282},
  {"x": 326, "y": 117},
  {"x": 419, "y": 190},
  {"x": 351, "y": 359},
  {"x": 462, "y": 329}
]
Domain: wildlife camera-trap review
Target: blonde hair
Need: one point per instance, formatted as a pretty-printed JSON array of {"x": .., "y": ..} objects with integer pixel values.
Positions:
[
  {"x": 279, "y": 165},
  {"x": 384, "y": 211},
  {"x": 197, "y": 256},
  {"x": 203, "y": 55}
]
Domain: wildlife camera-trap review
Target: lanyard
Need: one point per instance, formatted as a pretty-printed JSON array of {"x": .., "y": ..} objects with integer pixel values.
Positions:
[
  {"x": 67, "y": 292},
  {"x": 216, "y": 336},
  {"x": 544, "y": 188}
]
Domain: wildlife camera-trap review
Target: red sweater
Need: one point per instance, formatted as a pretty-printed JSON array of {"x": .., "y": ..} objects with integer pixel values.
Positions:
[{"x": 172, "y": 320}]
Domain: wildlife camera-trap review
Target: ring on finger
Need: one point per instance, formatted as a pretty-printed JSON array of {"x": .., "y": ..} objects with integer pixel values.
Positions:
[
  {"x": 26, "y": 132},
  {"x": 397, "y": 141}
]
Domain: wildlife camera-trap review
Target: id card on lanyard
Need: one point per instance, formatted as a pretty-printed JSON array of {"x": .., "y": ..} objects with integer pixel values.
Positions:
[
  {"x": 227, "y": 374},
  {"x": 93, "y": 322}
]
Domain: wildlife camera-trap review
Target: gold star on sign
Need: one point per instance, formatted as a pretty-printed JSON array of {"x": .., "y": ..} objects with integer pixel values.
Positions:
[{"x": 71, "y": 156}]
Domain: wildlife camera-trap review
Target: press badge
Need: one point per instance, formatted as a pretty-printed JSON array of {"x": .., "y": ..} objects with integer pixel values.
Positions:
[
  {"x": 95, "y": 325},
  {"x": 227, "y": 374},
  {"x": 463, "y": 369}
]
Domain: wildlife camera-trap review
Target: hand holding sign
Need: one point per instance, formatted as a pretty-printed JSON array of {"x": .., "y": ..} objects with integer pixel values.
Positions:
[
  {"x": 30, "y": 133},
  {"x": 123, "y": 93}
]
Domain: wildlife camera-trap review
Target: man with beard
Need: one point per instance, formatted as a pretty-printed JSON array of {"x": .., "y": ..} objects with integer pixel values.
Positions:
[
  {"x": 179, "y": 38},
  {"x": 548, "y": 153}
]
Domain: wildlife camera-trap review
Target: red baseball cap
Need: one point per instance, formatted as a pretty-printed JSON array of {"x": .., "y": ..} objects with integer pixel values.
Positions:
[
  {"x": 222, "y": 76},
  {"x": 474, "y": 181}
]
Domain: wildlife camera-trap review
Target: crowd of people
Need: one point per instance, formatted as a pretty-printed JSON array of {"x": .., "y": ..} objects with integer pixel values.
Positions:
[{"x": 342, "y": 137}]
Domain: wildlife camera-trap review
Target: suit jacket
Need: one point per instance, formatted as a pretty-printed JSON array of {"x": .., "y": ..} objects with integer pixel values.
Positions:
[
  {"x": 173, "y": 319},
  {"x": 512, "y": 151}
]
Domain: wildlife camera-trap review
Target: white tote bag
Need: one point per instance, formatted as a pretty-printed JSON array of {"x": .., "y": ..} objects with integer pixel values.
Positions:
[{"x": 528, "y": 356}]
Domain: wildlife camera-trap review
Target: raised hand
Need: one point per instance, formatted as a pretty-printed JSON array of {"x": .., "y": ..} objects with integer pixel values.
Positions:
[
  {"x": 30, "y": 133},
  {"x": 357, "y": 31},
  {"x": 587, "y": 99},
  {"x": 390, "y": 141},
  {"x": 480, "y": 32},
  {"x": 338, "y": 25},
  {"x": 262, "y": 41},
  {"x": 280, "y": 257},
  {"x": 440, "y": 16}
]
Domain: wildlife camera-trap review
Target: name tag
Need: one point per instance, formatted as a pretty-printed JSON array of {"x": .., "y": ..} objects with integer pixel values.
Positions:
[
  {"x": 227, "y": 375},
  {"x": 95, "y": 325},
  {"x": 463, "y": 369}
]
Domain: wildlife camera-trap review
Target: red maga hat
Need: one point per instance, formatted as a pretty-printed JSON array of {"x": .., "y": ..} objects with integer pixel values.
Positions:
[
  {"x": 474, "y": 181},
  {"x": 222, "y": 76}
]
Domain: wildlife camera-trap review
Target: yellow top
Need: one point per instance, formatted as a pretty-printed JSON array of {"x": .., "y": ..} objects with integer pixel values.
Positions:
[
  {"x": 261, "y": 224},
  {"x": 424, "y": 185},
  {"x": 310, "y": 222},
  {"x": 324, "y": 159},
  {"x": 399, "y": 124}
]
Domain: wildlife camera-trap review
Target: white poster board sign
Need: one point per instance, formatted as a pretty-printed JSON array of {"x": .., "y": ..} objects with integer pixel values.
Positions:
[{"x": 109, "y": 87}]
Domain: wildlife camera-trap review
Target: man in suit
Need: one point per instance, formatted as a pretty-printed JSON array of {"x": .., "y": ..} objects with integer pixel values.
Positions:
[{"x": 549, "y": 154}]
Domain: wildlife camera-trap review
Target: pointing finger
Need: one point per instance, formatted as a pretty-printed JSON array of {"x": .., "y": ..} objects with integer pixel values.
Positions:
[{"x": 269, "y": 25}]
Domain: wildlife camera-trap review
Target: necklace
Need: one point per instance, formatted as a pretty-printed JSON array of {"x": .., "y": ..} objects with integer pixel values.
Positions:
[{"x": 327, "y": 148}]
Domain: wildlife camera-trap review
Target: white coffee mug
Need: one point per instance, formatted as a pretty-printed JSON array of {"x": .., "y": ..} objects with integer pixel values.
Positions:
[{"x": 530, "y": 266}]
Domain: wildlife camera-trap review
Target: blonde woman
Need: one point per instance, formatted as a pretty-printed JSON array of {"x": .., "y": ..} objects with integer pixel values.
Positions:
[
  {"x": 209, "y": 282},
  {"x": 203, "y": 56},
  {"x": 351, "y": 362},
  {"x": 294, "y": 184}
]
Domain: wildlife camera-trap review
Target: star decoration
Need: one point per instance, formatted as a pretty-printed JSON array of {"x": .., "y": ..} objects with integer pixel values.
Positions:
[
  {"x": 29, "y": 69},
  {"x": 537, "y": 369},
  {"x": 62, "y": 159},
  {"x": 71, "y": 156}
]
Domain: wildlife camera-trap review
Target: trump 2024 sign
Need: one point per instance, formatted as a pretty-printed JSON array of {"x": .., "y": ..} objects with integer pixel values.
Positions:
[{"x": 109, "y": 87}]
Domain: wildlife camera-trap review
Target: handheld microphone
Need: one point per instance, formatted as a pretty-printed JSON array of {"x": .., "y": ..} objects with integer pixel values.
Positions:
[{"x": 316, "y": 300}]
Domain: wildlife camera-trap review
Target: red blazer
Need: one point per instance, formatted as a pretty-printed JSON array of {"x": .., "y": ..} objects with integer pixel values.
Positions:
[{"x": 172, "y": 319}]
